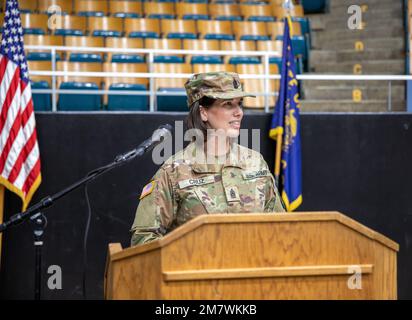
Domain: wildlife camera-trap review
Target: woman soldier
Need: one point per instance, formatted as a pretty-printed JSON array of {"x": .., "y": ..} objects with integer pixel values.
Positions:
[{"x": 213, "y": 174}]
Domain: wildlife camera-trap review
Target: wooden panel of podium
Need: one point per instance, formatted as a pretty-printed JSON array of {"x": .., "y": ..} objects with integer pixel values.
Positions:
[{"x": 305, "y": 255}]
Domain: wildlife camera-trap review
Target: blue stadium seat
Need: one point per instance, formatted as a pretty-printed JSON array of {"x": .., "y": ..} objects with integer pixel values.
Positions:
[
  {"x": 85, "y": 57},
  {"x": 41, "y": 56},
  {"x": 127, "y": 15},
  {"x": 300, "y": 49},
  {"x": 37, "y": 31},
  {"x": 181, "y": 35},
  {"x": 261, "y": 18},
  {"x": 255, "y": 2},
  {"x": 254, "y": 37},
  {"x": 72, "y": 26},
  {"x": 126, "y": 9},
  {"x": 172, "y": 102},
  {"x": 79, "y": 102},
  {"x": 168, "y": 59},
  {"x": 305, "y": 27},
  {"x": 179, "y": 29},
  {"x": 251, "y": 30},
  {"x": 106, "y": 33},
  {"x": 161, "y": 16},
  {"x": 69, "y": 32},
  {"x": 91, "y": 14},
  {"x": 127, "y": 102},
  {"x": 196, "y": 1},
  {"x": 196, "y": 17},
  {"x": 91, "y": 8},
  {"x": 229, "y": 18},
  {"x": 41, "y": 101},
  {"x": 244, "y": 60},
  {"x": 192, "y": 11},
  {"x": 144, "y": 34},
  {"x": 207, "y": 59},
  {"x": 127, "y": 58},
  {"x": 314, "y": 6},
  {"x": 105, "y": 26},
  {"x": 257, "y": 11},
  {"x": 213, "y": 36}
]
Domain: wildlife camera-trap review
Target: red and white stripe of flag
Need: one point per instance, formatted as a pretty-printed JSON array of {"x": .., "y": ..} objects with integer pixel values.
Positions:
[{"x": 19, "y": 150}]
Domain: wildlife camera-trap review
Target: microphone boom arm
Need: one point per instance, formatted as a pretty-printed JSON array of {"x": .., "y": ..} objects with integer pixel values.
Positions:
[{"x": 48, "y": 201}]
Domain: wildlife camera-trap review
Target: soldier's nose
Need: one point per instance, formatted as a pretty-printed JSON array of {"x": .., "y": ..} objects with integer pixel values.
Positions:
[{"x": 238, "y": 112}]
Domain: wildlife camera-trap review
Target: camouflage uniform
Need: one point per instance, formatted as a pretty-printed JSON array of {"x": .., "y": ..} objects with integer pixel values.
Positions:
[{"x": 187, "y": 185}]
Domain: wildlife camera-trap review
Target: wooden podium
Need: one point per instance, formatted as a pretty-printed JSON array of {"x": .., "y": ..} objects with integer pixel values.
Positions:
[{"x": 305, "y": 255}]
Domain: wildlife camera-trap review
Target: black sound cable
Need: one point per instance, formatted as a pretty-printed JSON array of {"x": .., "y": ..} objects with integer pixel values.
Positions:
[{"x": 86, "y": 234}]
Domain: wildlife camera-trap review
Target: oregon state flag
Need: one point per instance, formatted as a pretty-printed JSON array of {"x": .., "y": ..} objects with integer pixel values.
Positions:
[{"x": 285, "y": 127}]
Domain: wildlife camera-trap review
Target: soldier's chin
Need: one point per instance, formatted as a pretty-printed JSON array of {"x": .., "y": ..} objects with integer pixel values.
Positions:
[{"x": 233, "y": 133}]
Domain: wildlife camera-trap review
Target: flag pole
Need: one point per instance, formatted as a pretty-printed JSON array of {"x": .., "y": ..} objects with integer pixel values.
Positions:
[{"x": 277, "y": 157}]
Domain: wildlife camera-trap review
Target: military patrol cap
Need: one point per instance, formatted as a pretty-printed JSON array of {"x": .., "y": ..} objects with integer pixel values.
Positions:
[{"x": 216, "y": 85}]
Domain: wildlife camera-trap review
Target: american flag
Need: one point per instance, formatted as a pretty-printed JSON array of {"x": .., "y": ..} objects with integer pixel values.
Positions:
[{"x": 19, "y": 150}]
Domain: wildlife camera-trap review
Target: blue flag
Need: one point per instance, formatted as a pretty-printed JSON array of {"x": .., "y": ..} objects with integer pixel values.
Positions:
[{"x": 285, "y": 127}]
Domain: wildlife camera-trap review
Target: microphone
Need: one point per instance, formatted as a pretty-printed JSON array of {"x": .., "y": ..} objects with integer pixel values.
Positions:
[{"x": 164, "y": 131}]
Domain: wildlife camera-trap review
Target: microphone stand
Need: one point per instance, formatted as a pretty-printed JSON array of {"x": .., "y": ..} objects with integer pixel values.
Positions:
[{"x": 39, "y": 220}]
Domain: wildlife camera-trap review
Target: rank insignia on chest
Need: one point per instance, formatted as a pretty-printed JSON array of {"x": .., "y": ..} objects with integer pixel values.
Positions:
[
  {"x": 232, "y": 194},
  {"x": 148, "y": 189}
]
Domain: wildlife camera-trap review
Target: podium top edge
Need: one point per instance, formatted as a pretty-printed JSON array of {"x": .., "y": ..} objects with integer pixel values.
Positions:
[{"x": 256, "y": 218}]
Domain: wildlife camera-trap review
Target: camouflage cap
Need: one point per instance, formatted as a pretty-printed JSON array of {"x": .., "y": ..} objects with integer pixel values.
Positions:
[{"x": 216, "y": 85}]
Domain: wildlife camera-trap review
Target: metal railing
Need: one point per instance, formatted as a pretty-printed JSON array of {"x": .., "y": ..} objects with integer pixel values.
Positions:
[{"x": 152, "y": 93}]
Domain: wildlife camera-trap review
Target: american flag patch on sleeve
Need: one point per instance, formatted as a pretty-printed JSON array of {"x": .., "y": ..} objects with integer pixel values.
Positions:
[{"x": 148, "y": 189}]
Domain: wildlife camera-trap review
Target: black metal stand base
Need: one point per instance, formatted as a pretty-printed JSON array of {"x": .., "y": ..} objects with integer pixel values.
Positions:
[{"x": 39, "y": 223}]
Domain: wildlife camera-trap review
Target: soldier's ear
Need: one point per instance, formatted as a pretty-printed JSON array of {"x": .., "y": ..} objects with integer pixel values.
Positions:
[{"x": 203, "y": 113}]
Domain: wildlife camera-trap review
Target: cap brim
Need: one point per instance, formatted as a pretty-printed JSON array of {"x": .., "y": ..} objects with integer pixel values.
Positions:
[{"x": 229, "y": 95}]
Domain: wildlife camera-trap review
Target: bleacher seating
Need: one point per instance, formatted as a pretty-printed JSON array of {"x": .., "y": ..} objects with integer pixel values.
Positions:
[
  {"x": 126, "y": 9},
  {"x": 242, "y": 45},
  {"x": 126, "y": 102},
  {"x": 84, "y": 41},
  {"x": 71, "y": 25},
  {"x": 250, "y": 30},
  {"x": 192, "y": 11},
  {"x": 257, "y": 85},
  {"x": 41, "y": 101},
  {"x": 178, "y": 29},
  {"x": 242, "y": 25},
  {"x": 166, "y": 85},
  {"x": 27, "y": 6},
  {"x": 105, "y": 26},
  {"x": 126, "y": 43},
  {"x": 212, "y": 29},
  {"x": 159, "y": 10},
  {"x": 256, "y": 12},
  {"x": 202, "y": 44},
  {"x": 276, "y": 47},
  {"x": 42, "y": 40},
  {"x": 33, "y": 23},
  {"x": 91, "y": 8},
  {"x": 66, "y": 6},
  {"x": 171, "y": 44},
  {"x": 142, "y": 28},
  {"x": 225, "y": 11},
  {"x": 200, "y": 68},
  {"x": 79, "y": 102}
]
